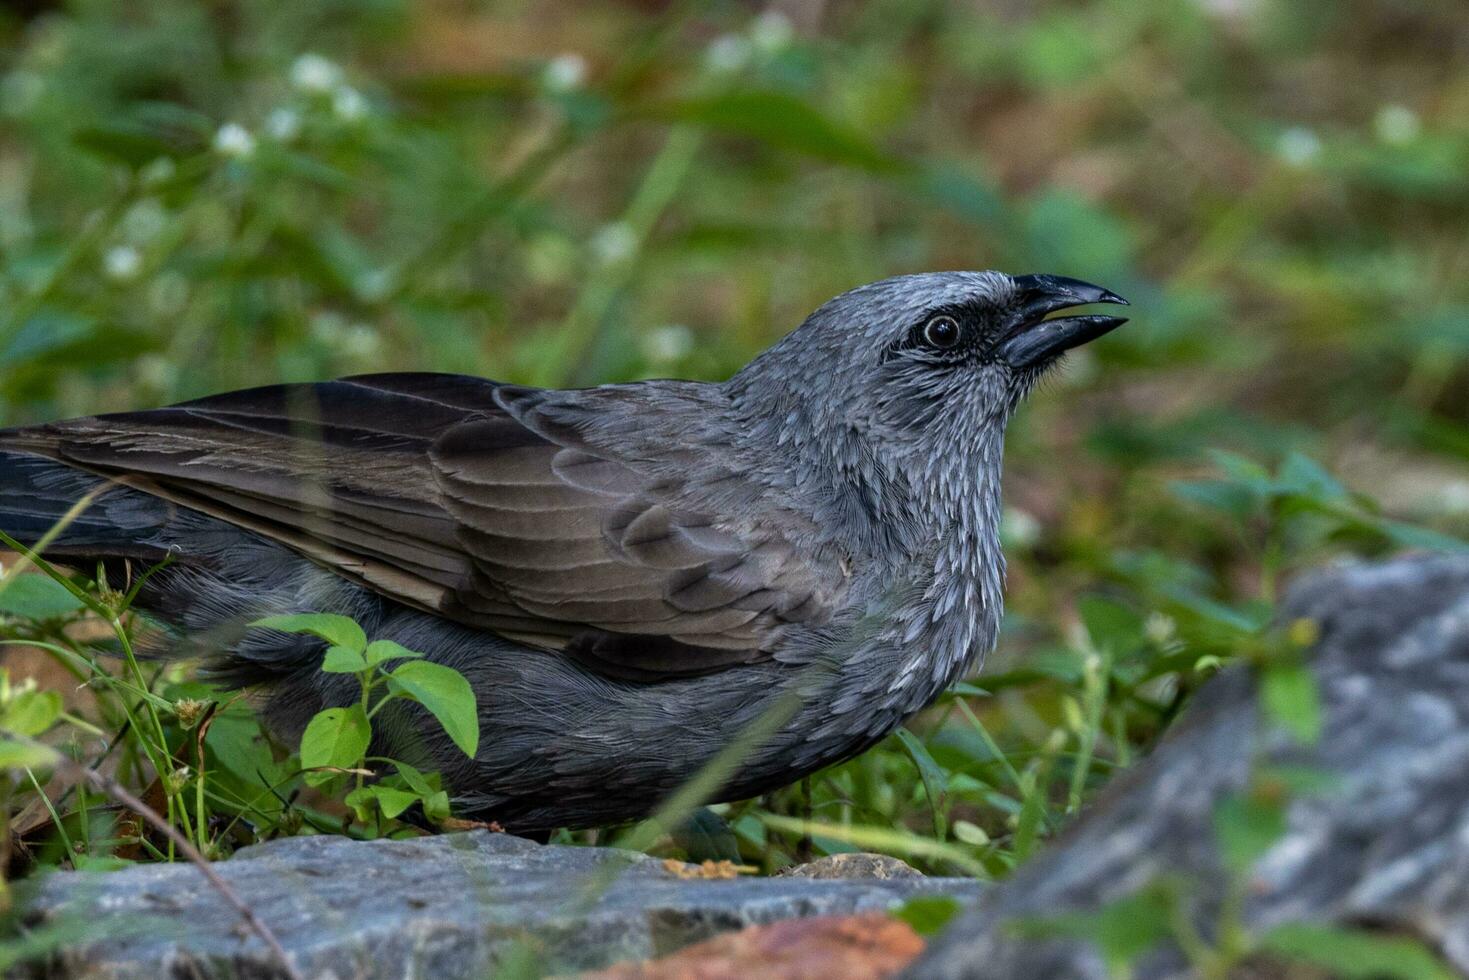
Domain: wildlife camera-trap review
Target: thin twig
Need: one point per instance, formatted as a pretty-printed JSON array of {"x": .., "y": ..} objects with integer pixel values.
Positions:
[{"x": 119, "y": 793}]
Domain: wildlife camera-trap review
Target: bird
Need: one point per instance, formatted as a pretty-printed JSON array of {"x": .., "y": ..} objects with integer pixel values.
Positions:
[{"x": 634, "y": 578}]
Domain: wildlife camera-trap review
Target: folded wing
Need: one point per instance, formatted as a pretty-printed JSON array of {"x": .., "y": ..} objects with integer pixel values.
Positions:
[{"x": 502, "y": 508}]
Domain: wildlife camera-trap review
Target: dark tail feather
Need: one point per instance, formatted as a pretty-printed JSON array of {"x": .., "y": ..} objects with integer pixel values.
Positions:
[
  {"x": 221, "y": 576},
  {"x": 36, "y": 495}
]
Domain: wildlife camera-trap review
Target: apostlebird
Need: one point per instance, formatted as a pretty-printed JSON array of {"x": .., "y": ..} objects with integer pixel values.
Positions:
[{"x": 630, "y": 576}]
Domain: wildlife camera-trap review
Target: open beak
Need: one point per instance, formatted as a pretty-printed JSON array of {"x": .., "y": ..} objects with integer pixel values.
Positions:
[{"x": 1031, "y": 338}]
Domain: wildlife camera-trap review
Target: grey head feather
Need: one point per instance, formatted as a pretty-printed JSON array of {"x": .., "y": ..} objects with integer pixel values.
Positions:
[{"x": 906, "y": 450}]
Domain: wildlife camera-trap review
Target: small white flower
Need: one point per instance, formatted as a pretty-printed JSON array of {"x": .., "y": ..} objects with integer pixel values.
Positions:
[
  {"x": 144, "y": 220},
  {"x": 283, "y": 124},
  {"x": 1397, "y": 124},
  {"x": 349, "y": 104},
  {"x": 565, "y": 72},
  {"x": 234, "y": 140},
  {"x": 315, "y": 74},
  {"x": 1160, "y": 628},
  {"x": 668, "y": 344},
  {"x": 614, "y": 242},
  {"x": 772, "y": 31},
  {"x": 122, "y": 262},
  {"x": 1298, "y": 146},
  {"x": 1019, "y": 528},
  {"x": 727, "y": 53}
]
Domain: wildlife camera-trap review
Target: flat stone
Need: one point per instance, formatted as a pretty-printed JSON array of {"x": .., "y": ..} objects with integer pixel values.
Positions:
[
  {"x": 460, "y": 905},
  {"x": 856, "y": 865},
  {"x": 1383, "y": 843}
]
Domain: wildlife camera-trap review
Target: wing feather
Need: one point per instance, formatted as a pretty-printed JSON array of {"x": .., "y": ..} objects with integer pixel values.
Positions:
[{"x": 555, "y": 518}]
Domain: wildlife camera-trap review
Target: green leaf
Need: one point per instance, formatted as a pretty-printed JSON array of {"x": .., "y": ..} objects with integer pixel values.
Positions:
[
  {"x": 335, "y": 738},
  {"x": 37, "y": 597},
  {"x": 1288, "y": 692},
  {"x": 1223, "y": 495},
  {"x": 360, "y": 801},
  {"x": 100, "y": 862},
  {"x": 1243, "y": 470},
  {"x": 47, "y": 335},
  {"x": 1109, "y": 623},
  {"x": 927, "y": 914},
  {"x": 130, "y": 145},
  {"x": 1411, "y": 536},
  {"x": 1066, "y": 230},
  {"x": 1246, "y": 620},
  {"x": 342, "y": 660},
  {"x": 1303, "y": 475},
  {"x": 423, "y": 785},
  {"x": 436, "y": 807},
  {"x": 336, "y": 630},
  {"x": 381, "y": 651},
  {"x": 786, "y": 122},
  {"x": 24, "y": 755},
  {"x": 935, "y": 780},
  {"x": 448, "y": 697},
  {"x": 241, "y": 748},
  {"x": 391, "y": 801},
  {"x": 1032, "y": 815},
  {"x": 31, "y": 712},
  {"x": 1355, "y": 954},
  {"x": 1246, "y": 825}
]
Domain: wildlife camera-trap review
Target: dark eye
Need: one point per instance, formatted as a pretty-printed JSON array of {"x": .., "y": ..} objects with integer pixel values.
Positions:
[{"x": 941, "y": 332}]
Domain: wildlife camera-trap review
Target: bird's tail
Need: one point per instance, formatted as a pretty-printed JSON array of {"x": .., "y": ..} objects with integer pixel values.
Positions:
[
  {"x": 78, "y": 516},
  {"x": 215, "y": 579}
]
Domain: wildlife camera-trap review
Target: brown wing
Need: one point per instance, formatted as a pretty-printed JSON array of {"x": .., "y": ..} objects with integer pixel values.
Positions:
[{"x": 498, "y": 507}]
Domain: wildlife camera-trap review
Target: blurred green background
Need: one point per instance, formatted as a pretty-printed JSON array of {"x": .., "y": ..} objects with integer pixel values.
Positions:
[{"x": 207, "y": 195}]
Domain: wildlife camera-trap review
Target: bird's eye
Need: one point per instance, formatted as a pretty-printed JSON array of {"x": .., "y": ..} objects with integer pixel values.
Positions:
[{"x": 941, "y": 332}]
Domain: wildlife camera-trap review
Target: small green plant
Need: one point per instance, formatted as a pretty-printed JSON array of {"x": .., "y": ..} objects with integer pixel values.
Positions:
[{"x": 335, "y": 743}]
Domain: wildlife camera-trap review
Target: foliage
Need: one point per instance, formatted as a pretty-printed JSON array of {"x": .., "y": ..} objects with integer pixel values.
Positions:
[
  {"x": 336, "y": 740},
  {"x": 199, "y": 197}
]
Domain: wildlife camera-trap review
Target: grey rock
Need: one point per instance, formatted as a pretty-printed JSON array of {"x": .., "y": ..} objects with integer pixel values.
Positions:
[
  {"x": 858, "y": 865},
  {"x": 463, "y": 905},
  {"x": 1385, "y": 844}
]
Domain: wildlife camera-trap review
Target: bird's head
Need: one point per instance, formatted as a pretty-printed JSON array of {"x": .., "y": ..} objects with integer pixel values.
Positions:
[{"x": 927, "y": 362}]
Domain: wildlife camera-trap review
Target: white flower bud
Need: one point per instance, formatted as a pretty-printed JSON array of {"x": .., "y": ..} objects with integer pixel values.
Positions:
[
  {"x": 234, "y": 140},
  {"x": 315, "y": 74}
]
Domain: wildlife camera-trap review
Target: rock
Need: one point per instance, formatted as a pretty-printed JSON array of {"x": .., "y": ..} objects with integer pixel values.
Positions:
[
  {"x": 871, "y": 946},
  {"x": 858, "y": 865},
  {"x": 460, "y": 905},
  {"x": 1381, "y": 841}
]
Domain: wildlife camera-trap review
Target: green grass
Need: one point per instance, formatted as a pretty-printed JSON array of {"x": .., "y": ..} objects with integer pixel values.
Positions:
[{"x": 195, "y": 198}]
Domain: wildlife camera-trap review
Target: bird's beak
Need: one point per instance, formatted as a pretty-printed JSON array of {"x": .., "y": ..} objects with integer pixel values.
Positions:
[{"x": 1030, "y": 338}]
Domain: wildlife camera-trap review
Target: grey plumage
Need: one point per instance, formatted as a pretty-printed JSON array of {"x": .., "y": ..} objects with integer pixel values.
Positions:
[{"x": 630, "y": 575}]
